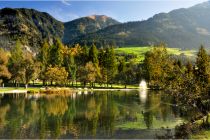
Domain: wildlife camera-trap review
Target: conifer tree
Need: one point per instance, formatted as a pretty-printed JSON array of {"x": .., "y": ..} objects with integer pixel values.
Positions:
[{"x": 202, "y": 71}]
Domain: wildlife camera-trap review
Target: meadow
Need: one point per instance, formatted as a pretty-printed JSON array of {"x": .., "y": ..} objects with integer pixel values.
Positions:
[{"x": 139, "y": 52}]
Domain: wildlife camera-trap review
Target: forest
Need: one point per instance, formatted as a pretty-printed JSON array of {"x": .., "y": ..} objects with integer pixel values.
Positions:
[{"x": 55, "y": 64}]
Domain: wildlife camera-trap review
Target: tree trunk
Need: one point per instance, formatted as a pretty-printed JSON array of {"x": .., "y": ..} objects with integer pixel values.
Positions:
[
  {"x": 43, "y": 82},
  {"x": 125, "y": 86},
  {"x": 51, "y": 83}
]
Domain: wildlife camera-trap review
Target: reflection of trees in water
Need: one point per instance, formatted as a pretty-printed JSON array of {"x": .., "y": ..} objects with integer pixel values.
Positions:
[
  {"x": 3, "y": 112},
  {"x": 157, "y": 109},
  {"x": 56, "y": 106},
  {"x": 88, "y": 115}
]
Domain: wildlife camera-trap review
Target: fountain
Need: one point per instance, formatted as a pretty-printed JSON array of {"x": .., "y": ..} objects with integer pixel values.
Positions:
[{"x": 143, "y": 85}]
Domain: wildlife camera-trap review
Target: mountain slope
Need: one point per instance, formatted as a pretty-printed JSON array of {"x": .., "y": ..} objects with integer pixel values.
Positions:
[
  {"x": 86, "y": 25},
  {"x": 182, "y": 28},
  {"x": 31, "y": 27}
]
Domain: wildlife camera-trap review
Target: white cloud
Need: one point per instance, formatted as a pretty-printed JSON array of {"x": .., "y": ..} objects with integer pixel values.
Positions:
[{"x": 66, "y": 2}]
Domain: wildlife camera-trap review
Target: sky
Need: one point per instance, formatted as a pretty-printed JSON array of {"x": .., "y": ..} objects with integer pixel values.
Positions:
[{"x": 121, "y": 10}]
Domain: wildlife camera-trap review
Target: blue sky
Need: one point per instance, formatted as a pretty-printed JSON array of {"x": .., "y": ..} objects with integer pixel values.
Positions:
[{"x": 123, "y": 11}]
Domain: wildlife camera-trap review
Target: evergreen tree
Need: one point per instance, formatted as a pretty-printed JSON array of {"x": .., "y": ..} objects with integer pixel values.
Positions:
[
  {"x": 44, "y": 59},
  {"x": 93, "y": 55},
  {"x": 202, "y": 71},
  {"x": 56, "y": 53},
  {"x": 109, "y": 65}
]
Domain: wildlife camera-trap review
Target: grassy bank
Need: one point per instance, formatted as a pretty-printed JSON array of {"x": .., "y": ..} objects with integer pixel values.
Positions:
[
  {"x": 78, "y": 86},
  {"x": 6, "y": 89}
]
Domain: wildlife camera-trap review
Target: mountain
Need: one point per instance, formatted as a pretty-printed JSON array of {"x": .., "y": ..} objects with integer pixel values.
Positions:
[
  {"x": 182, "y": 28},
  {"x": 31, "y": 27},
  {"x": 85, "y": 25}
]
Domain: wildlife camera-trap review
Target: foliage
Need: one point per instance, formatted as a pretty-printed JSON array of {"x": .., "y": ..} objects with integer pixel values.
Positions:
[
  {"x": 15, "y": 62},
  {"x": 158, "y": 66},
  {"x": 57, "y": 74},
  {"x": 4, "y": 72},
  {"x": 203, "y": 68}
]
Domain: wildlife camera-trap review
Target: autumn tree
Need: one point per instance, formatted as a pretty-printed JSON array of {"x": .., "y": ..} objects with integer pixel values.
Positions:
[
  {"x": 157, "y": 66},
  {"x": 4, "y": 72},
  {"x": 56, "y": 74},
  {"x": 91, "y": 72}
]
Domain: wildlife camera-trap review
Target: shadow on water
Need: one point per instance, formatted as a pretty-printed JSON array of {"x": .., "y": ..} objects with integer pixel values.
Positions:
[{"x": 102, "y": 114}]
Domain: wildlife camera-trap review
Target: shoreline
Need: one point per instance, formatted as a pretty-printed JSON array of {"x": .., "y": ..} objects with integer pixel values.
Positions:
[{"x": 37, "y": 90}]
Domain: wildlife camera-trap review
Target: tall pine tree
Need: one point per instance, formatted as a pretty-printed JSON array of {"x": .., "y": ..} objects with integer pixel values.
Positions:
[{"x": 202, "y": 63}]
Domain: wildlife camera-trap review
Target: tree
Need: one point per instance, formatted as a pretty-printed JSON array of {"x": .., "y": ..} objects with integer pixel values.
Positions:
[
  {"x": 109, "y": 65},
  {"x": 44, "y": 58},
  {"x": 158, "y": 66},
  {"x": 56, "y": 53},
  {"x": 28, "y": 69},
  {"x": 15, "y": 62},
  {"x": 121, "y": 76},
  {"x": 56, "y": 74},
  {"x": 93, "y": 55},
  {"x": 88, "y": 73},
  {"x": 71, "y": 67},
  {"x": 4, "y": 72},
  {"x": 202, "y": 71},
  {"x": 91, "y": 71}
]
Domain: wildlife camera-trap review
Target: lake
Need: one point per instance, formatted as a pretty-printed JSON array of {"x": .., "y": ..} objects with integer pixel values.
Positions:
[{"x": 98, "y": 114}]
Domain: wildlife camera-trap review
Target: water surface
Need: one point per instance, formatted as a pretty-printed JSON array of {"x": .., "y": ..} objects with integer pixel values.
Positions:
[{"x": 100, "y": 114}]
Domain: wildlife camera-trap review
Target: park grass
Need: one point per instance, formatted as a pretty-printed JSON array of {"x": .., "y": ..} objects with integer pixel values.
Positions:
[
  {"x": 55, "y": 88},
  {"x": 139, "y": 51}
]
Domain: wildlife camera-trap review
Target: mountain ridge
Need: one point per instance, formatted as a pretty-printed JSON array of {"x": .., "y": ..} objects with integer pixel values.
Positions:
[{"x": 183, "y": 28}]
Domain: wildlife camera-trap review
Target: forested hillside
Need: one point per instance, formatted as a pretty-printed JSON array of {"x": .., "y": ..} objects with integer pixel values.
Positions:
[
  {"x": 182, "y": 28},
  {"x": 29, "y": 26}
]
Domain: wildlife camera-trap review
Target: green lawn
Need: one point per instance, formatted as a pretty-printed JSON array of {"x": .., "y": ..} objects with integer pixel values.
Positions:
[
  {"x": 140, "y": 51},
  {"x": 97, "y": 86}
]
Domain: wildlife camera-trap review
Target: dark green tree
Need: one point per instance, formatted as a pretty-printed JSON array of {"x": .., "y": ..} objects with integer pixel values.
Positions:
[
  {"x": 44, "y": 59},
  {"x": 56, "y": 53},
  {"x": 203, "y": 67},
  {"x": 93, "y": 55},
  {"x": 109, "y": 65}
]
